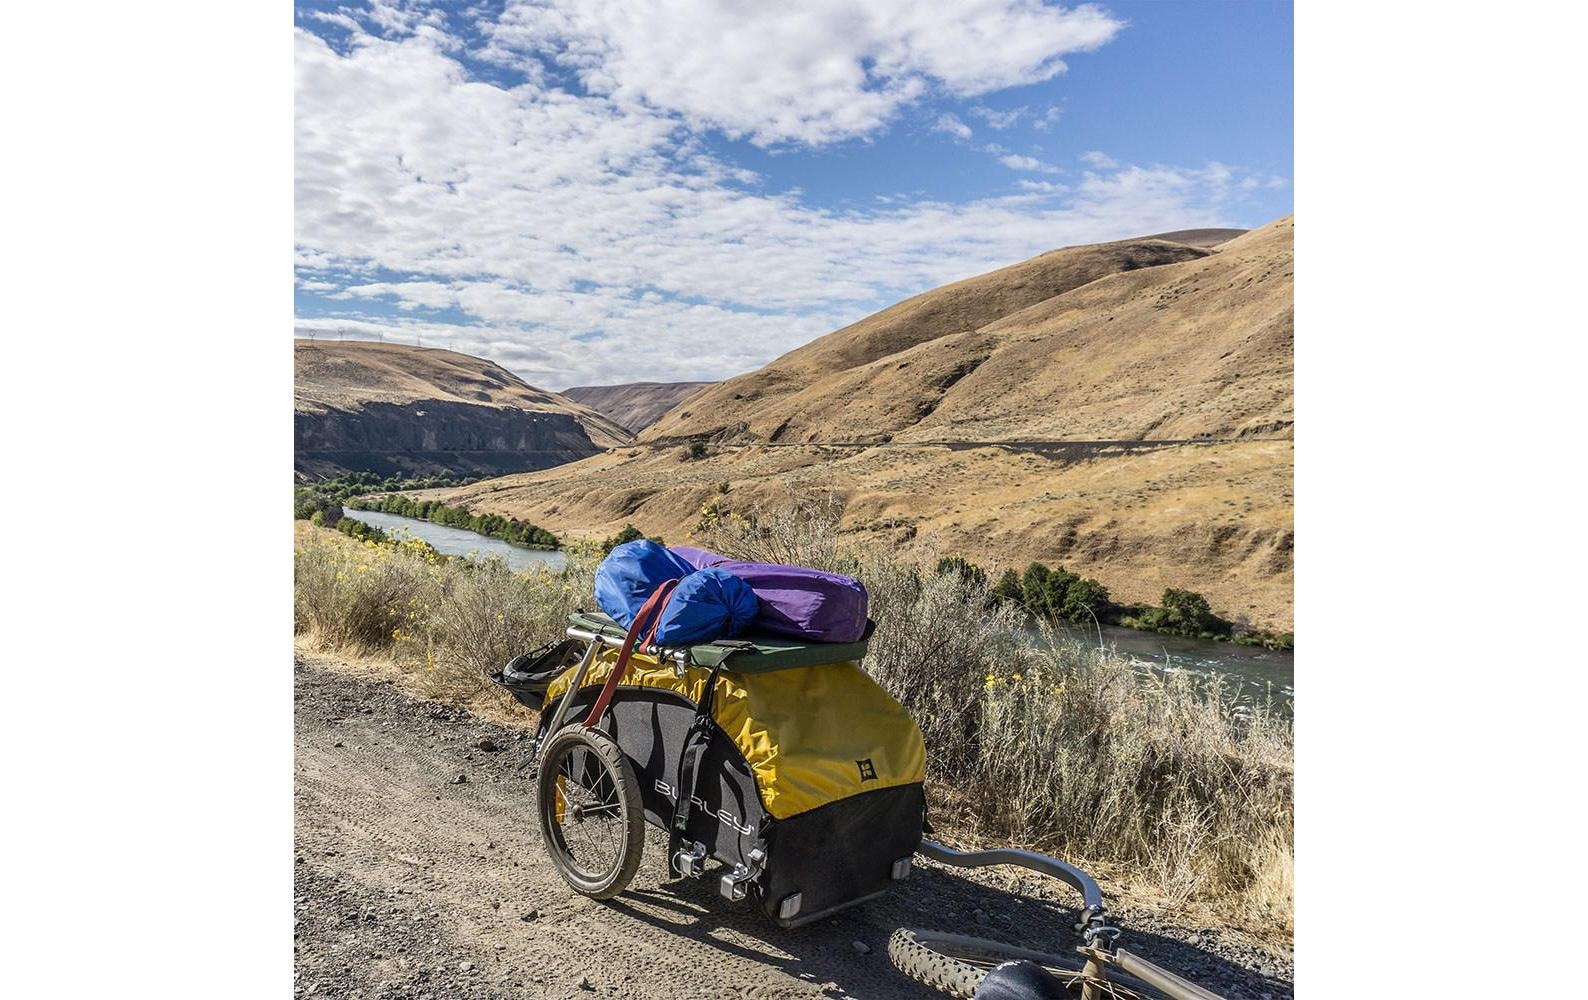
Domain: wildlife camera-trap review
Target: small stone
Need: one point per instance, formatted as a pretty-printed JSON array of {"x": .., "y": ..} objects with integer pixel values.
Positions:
[
  {"x": 461, "y": 779},
  {"x": 585, "y": 983},
  {"x": 488, "y": 745},
  {"x": 861, "y": 947},
  {"x": 465, "y": 966},
  {"x": 531, "y": 915},
  {"x": 339, "y": 743}
]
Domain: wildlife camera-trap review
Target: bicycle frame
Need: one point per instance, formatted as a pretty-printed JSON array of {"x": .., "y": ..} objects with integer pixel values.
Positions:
[{"x": 1099, "y": 936}]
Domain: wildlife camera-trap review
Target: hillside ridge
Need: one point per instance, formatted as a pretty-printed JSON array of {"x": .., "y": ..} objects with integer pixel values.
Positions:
[
  {"x": 634, "y": 405},
  {"x": 403, "y": 410},
  {"x": 789, "y": 385}
]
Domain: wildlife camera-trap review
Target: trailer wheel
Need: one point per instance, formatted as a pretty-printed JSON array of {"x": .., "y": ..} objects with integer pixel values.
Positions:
[
  {"x": 590, "y": 813},
  {"x": 956, "y": 965}
]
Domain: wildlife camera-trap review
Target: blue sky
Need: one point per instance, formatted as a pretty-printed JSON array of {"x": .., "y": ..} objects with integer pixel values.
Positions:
[{"x": 682, "y": 189}]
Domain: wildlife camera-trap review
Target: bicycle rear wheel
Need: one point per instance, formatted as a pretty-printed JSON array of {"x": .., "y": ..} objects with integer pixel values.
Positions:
[{"x": 956, "y": 965}]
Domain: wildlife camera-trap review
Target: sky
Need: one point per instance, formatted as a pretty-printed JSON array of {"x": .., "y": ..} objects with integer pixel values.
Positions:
[{"x": 660, "y": 190}]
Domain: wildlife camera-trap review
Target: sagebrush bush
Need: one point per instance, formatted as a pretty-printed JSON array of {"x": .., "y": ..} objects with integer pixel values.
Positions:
[
  {"x": 451, "y": 622},
  {"x": 351, "y": 595}
]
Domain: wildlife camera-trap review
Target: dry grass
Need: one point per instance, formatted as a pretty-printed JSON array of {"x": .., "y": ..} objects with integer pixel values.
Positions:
[{"x": 1039, "y": 740}]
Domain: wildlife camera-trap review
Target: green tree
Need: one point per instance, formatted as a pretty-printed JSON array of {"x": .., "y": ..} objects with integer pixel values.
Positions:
[
  {"x": 1185, "y": 612},
  {"x": 1086, "y": 600},
  {"x": 1008, "y": 587},
  {"x": 1034, "y": 590},
  {"x": 1057, "y": 590},
  {"x": 968, "y": 572},
  {"x": 629, "y": 534}
]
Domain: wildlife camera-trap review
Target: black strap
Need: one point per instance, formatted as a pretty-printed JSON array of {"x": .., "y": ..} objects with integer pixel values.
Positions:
[{"x": 695, "y": 743}]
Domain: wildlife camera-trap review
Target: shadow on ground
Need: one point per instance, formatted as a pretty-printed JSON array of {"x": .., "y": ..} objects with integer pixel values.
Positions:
[{"x": 934, "y": 898}]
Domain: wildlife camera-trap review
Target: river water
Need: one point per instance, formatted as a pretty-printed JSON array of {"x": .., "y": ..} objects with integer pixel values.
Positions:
[
  {"x": 1255, "y": 673},
  {"x": 459, "y": 542},
  {"x": 1260, "y": 673}
]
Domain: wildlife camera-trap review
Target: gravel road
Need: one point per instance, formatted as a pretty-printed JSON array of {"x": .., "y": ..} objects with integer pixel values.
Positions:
[{"x": 420, "y": 874}]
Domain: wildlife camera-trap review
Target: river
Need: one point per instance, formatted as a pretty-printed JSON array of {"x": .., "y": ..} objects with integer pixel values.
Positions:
[
  {"x": 1258, "y": 672},
  {"x": 460, "y": 542}
]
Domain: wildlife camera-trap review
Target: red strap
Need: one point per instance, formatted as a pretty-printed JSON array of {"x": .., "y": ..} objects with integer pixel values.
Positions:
[{"x": 652, "y": 605}]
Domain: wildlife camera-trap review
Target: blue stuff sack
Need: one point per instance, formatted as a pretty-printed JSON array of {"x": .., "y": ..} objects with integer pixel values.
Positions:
[
  {"x": 707, "y": 604},
  {"x": 631, "y": 573}
]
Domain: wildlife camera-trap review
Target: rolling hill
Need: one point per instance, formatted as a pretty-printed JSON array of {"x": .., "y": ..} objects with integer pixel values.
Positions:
[
  {"x": 1123, "y": 409},
  {"x": 634, "y": 405},
  {"x": 397, "y": 409}
]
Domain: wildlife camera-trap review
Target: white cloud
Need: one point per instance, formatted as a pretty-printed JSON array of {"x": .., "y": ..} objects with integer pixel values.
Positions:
[
  {"x": 1099, "y": 159},
  {"x": 951, "y": 124},
  {"x": 1030, "y": 163},
  {"x": 580, "y": 239},
  {"x": 999, "y": 119},
  {"x": 811, "y": 72}
]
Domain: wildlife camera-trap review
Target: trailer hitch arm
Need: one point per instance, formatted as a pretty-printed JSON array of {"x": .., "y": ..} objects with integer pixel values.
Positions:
[{"x": 1091, "y": 895}]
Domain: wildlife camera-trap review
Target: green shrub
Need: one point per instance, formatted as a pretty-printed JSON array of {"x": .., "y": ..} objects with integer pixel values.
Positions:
[
  {"x": 965, "y": 570},
  {"x": 1034, "y": 590},
  {"x": 1185, "y": 612},
  {"x": 1056, "y": 589},
  {"x": 629, "y": 534},
  {"x": 1086, "y": 600},
  {"x": 1007, "y": 590}
]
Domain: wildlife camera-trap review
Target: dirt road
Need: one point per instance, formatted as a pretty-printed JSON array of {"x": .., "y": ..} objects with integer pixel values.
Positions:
[{"x": 420, "y": 873}]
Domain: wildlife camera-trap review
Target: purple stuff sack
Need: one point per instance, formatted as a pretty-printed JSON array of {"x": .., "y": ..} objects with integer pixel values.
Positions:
[{"x": 794, "y": 601}]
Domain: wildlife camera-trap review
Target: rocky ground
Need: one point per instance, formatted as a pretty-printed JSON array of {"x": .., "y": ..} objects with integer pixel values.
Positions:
[{"x": 419, "y": 873}]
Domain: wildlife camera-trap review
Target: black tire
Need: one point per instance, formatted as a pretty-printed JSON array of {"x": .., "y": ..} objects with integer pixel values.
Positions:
[
  {"x": 956, "y": 965},
  {"x": 585, "y": 765}
]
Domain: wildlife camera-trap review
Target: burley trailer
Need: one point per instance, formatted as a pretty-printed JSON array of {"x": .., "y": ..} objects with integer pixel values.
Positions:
[{"x": 790, "y": 776}]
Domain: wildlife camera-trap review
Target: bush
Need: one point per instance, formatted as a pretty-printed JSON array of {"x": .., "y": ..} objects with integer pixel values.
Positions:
[
  {"x": 1056, "y": 590},
  {"x": 1086, "y": 600},
  {"x": 1165, "y": 774},
  {"x": 1007, "y": 590},
  {"x": 968, "y": 572},
  {"x": 448, "y": 621},
  {"x": 1034, "y": 590},
  {"x": 629, "y": 534},
  {"x": 306, "y": 503},
  {"x": 1186, "y": 612},
  {"x": 368, "y": 532}
]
